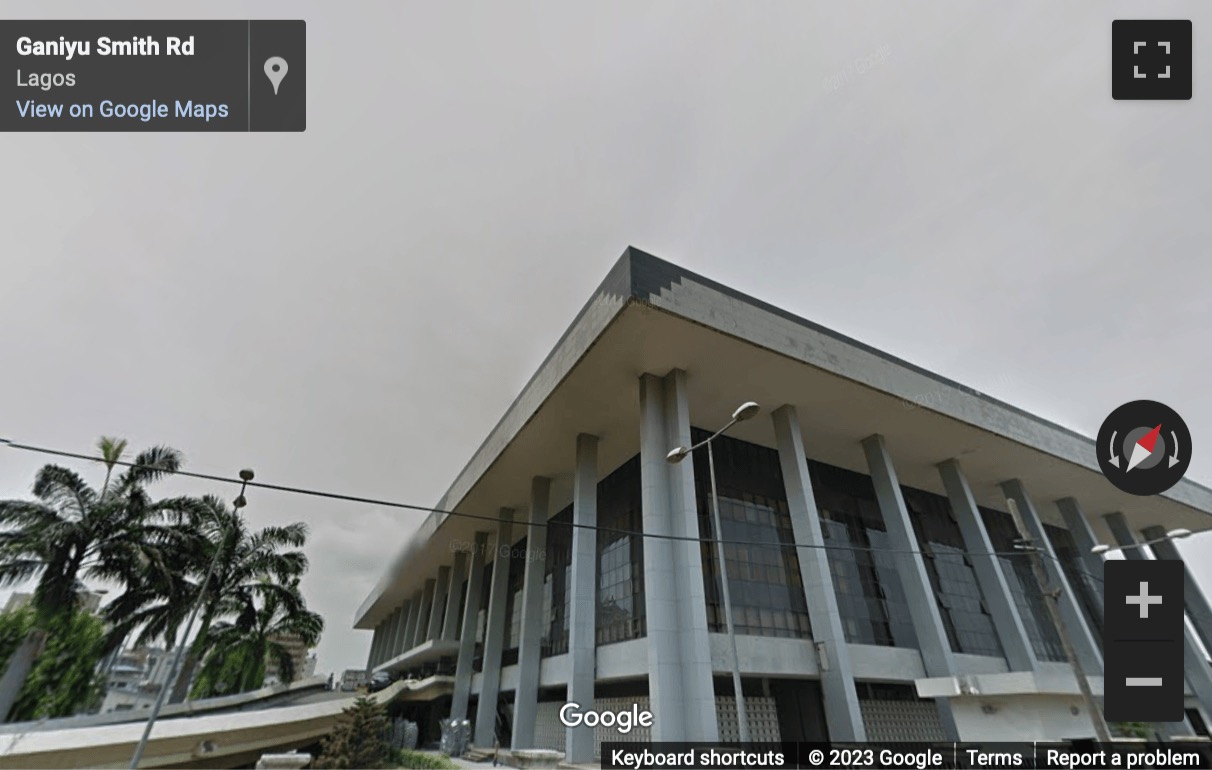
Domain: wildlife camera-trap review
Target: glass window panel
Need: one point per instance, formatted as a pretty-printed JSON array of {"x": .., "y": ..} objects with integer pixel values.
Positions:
[
  {"x": 755, "y": 518},
  {"x": 1023, "y": 586},
  {"x": 620, "y": 592},
  {"x": 950, "y": 572}
]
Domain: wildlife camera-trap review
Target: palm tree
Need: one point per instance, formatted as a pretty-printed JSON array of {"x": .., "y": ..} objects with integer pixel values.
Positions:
[
  {"x": 263, "y": 564},
  {"x": 71, "y": 532},
  {"x": 240, "y": 649}
]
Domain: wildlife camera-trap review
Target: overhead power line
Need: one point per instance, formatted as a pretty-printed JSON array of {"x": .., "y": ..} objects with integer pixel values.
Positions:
[{"x": 496, "y": 519}]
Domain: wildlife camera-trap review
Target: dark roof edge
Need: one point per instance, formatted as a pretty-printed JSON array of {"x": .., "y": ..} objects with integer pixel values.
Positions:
[{"x": 643, "y": 262}]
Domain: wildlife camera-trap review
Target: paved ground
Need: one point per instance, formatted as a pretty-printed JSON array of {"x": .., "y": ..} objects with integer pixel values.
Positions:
[{"x": 487, "y": 764}]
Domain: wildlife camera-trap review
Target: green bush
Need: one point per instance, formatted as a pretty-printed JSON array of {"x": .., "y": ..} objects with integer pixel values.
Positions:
[
  {"x": 420, "y": 760},
  {"x": 15, "y": 628},
  {"x": 359, "y": 739},
  {"x": 1132, "y": 730},
  {"x": 63, "y": 680}
]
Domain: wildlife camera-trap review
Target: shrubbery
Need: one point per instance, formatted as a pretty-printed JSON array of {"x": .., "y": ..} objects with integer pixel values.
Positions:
[
  {"x": 420, "y": 760},
  {"x": 359, "y": 739}
]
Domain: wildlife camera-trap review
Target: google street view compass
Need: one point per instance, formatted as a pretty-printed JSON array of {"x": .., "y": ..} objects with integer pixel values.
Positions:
[{"x": 1144, "y": 448}]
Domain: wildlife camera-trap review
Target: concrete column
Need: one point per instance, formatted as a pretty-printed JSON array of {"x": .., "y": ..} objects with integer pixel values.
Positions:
[
  {"x": 582, "y": 599},
  {"x": 1195, "y": 664},
  {"x": 467, "y": 641},
  {"x": 679, "y": 653},
  {"x": 410, "y": 627},
  {"x": 932, "y": 639},
  {"x": 401, "y": 622},
  {"x": 530, "y": 642},
  {"x": 1084, "y": 645},
  {"x": 393, "y": 638},
  {"x": 450, "y": 620},
  {"x": 494, "y": 634},
  {"x": 372, "y": 658},
  {"x": 1197, "y": 606},
  {"x": 1016, "y": 644},
  {"x": 419, "y": 634},
  {"x": 842, "y": 713},
  {"x": 438, "y": 604},
  {"x": 384, "y": 641},
  {"x": 1084, "y": 540}
]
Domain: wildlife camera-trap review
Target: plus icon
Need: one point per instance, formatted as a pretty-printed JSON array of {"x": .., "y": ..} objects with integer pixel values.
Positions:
[
  {"x": 1144, "y": 600},
  {"x": 1151, "y": 59}
]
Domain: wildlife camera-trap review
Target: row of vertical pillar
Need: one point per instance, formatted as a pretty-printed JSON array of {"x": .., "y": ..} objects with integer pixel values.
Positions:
[
  {"x": 677, "y": 641},
  {"x": 429, "y": 616},
  {"x": 582, "y": 613}
]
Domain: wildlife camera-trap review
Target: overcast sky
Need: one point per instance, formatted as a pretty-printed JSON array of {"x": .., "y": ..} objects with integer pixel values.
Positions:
[{"x": 353, "y": 308}]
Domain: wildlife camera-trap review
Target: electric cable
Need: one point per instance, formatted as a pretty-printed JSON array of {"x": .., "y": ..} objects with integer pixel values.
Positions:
[{"x": 496, "y": 520}]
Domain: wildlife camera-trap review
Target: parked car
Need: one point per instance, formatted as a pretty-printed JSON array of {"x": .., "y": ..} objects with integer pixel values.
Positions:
[{"x": 380, "y": 681}]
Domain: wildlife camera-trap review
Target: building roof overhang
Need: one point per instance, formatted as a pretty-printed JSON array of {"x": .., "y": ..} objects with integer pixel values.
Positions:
[{"x": 650, "y": 316}]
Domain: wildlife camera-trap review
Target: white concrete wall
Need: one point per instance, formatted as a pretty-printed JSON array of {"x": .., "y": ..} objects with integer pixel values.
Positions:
[
  {"x": 887, "y": 664},
  {"x": 1022, "y": 718},
  {"x": 765, "y": 656}
]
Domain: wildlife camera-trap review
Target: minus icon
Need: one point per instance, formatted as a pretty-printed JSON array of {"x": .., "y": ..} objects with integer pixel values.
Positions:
[{"x": 1143, "y": 681}]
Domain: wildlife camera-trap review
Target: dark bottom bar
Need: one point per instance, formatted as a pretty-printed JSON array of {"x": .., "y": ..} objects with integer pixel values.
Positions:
[{"x": 910, "y": 756}]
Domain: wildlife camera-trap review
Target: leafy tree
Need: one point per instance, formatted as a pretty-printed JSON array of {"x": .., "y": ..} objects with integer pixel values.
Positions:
[
  {"x": 260, "y": 564},
  {"x": 64, "y": 680},
  {"x": 15, "y": 628},
  {"x": 71, "y": 532},
  {"x": 359, "y": 739},
  {"x": 241, "y": 648}
]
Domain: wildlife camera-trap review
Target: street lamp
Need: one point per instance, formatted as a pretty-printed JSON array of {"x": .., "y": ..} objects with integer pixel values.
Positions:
[
  {"x": 743, "y": 412},
  {"x": 174, "y": 670},
  {"x": 1052, "y": 601},
  {"x": 1174, "y": 534}
]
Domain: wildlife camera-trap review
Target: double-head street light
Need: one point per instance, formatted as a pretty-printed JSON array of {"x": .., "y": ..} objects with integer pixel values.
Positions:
[
  {"x": 175, "y": 669},
  {"x": 743, "y": 412},
  {"x": 1052, "y": 593},
  {"x": 1174, "y": 534}
]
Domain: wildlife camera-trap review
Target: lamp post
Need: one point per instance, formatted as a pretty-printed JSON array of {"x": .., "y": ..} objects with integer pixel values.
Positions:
[
  {"x": 175, "y": 669},
  {"x": 1052, "y": 601},
  {"x": 744, "y": 412},
  {"x": 1174, "y": 534}
]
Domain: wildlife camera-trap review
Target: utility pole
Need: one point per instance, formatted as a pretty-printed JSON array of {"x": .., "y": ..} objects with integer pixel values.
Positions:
[{"x": 1052, "y": 601}]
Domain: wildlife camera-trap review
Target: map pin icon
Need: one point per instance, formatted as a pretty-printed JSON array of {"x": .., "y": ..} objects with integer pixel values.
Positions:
[{"x": 275, "y": 70}]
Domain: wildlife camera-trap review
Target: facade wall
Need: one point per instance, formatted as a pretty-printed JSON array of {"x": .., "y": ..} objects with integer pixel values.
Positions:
[{"x": 775, "y": 639}]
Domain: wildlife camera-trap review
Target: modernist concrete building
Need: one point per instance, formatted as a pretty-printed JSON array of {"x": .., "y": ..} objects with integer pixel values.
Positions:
[{"x": 876, "y": 592}]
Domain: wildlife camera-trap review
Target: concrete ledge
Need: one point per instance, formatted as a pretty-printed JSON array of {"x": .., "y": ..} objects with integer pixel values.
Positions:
[
  {"x": 254, "y": 698},
  {"x": 209, "y": 740},
  {"x": 426, "y": 652},
  {"x": 1011, "y": 683}
]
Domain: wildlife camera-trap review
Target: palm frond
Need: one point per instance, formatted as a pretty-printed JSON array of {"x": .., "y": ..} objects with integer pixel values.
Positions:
[
  {"x": 64, "y": 489},
  {"x": 17, "y": 571},
  {"x": 23, "y": 514},
  {"x": 151, "y": 465}
]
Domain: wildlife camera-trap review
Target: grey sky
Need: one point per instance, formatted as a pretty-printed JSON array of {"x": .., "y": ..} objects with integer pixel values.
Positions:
[{"x": 352, "y": 308}]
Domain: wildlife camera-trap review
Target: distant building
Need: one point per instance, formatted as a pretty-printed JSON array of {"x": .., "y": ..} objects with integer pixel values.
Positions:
[
  {"x": 134, "y": 679},
  {"x": 353, "y": 678},
  {"x": 300, "y": 654}
]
